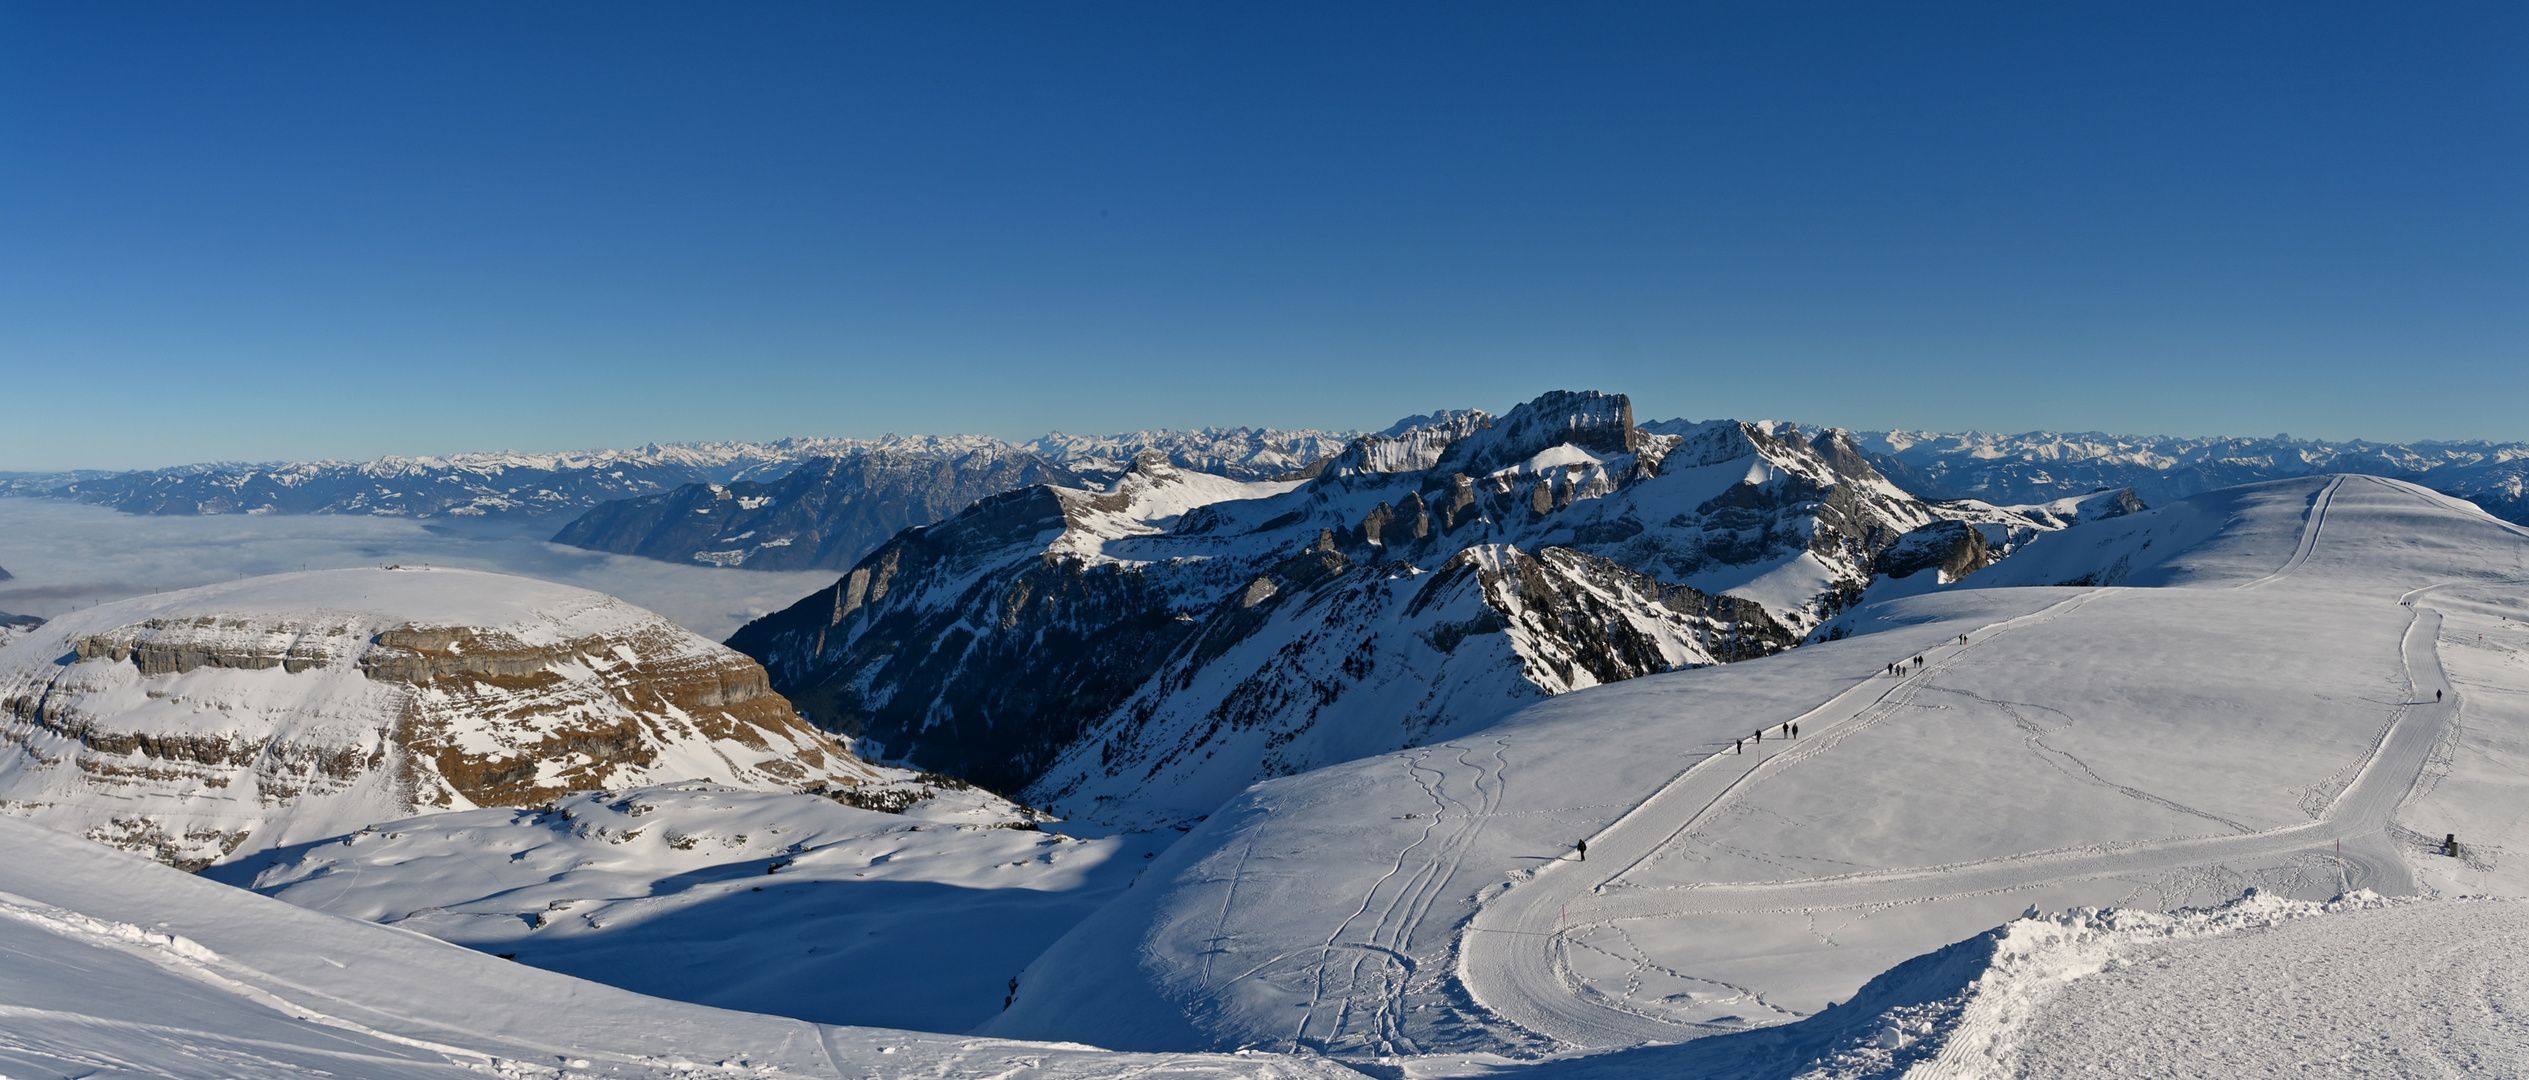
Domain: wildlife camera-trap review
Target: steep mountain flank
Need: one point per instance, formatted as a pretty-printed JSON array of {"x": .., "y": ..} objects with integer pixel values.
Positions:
[
  {"x": 826, "y": 514},
  {"x": 1145, "y": 650},
  {"x": 198, "y": 724}
]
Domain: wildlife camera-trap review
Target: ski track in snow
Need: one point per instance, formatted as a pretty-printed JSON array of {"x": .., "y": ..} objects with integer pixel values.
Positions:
[
  {"x": 1383, "y": 965},
  {"x": 1536, "y": 989}
]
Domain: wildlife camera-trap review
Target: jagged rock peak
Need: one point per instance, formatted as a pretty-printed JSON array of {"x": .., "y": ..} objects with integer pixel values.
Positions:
[{"x": 1588, "y": 419}]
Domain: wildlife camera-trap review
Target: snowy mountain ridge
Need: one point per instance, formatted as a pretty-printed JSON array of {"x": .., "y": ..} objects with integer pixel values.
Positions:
[{"x": 1147, "y": 649}]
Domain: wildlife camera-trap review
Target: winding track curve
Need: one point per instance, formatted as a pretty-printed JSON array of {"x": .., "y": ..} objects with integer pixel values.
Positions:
[{"x": 1506, "y": 968}]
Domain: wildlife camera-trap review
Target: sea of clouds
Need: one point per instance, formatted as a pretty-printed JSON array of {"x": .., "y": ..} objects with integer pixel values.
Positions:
[{"x": 65, "y": 556}]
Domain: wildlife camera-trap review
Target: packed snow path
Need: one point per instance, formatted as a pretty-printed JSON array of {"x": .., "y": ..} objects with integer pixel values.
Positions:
[{"x": 1517, "y": 952}]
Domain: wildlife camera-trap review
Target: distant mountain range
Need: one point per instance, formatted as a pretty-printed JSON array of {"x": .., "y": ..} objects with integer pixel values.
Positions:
[
  {"x": 815, "y": 503},
  {"x": 831, "y": 510},
  {"x": 514, "y": 484},
  {"x": 2042, "y": 465}
]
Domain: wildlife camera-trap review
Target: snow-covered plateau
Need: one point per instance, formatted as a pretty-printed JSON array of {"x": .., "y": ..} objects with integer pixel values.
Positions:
[{"x": 203, "y": 723}]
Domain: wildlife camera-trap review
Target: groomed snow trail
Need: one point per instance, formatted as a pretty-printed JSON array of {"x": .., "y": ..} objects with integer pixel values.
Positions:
[{"x": 1515, "y": 958}]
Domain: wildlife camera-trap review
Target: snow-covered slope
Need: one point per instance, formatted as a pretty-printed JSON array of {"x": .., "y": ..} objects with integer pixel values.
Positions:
[
  {"x": 2273, "y": 714},
  {"x": 197, "y": 724},
  {"x": 113, "y": 966},
  {"x": 663, "y": 889},
  {"x": 2042, "y": 465},
  {"x": 1146, "y": 651}
]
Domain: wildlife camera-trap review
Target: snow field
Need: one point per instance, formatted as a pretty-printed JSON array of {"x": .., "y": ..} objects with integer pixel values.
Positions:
[
  {"x": 2410, "y": 990},
  {"x": 786, "y": 904},
  {"x": 113, "y": 966}
]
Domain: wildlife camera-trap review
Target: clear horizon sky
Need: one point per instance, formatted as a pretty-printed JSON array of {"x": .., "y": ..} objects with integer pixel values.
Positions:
[{"x": 281, "y": 231}]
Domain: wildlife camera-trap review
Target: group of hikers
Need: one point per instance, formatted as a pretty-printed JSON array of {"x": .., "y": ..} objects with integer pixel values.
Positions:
[
  {"x": 1914, "y": 663},
  {"x": 1790, "y": 730}
]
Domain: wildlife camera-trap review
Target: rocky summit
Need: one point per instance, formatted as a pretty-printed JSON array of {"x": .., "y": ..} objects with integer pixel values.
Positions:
[
  {"x": 1142, "y": 650},
  {"x": 197, "y": 725}
]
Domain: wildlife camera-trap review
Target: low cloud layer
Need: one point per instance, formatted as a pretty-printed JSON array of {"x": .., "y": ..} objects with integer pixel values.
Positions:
[{"x": 68, "y": 556}]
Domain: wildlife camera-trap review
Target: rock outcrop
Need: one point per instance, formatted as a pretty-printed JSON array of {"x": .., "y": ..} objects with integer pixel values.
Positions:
[{"x": 196, "y": 725}]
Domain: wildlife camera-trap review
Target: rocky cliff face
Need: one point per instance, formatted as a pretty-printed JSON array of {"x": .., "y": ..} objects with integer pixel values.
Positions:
[
  {"x": 826, "y": 514},
  {"x": 1142, "y": 651},
  {"x": 199, "y": 724}
]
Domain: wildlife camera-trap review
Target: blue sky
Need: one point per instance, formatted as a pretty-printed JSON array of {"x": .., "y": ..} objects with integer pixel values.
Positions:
[{"x": 284, "y": 231}]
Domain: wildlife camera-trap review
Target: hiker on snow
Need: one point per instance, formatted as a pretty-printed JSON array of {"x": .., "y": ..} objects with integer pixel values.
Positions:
[{"x": 1584, "y": 847}]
